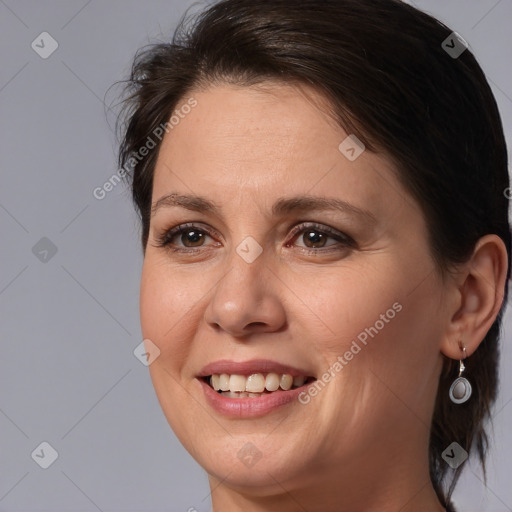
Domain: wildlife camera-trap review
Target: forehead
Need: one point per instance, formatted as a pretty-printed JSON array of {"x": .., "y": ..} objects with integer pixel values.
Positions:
[{"x": 259, "y": 142}]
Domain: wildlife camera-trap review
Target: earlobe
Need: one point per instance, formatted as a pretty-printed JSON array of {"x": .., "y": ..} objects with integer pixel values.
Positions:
[{"x": 480, "y": 297}]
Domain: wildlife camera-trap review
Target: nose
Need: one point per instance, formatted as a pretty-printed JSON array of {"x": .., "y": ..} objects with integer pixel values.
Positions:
[{"x": 247, "y": 299}]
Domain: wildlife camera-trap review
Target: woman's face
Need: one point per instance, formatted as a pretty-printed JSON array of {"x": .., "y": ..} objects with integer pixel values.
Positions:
[{"x": 265, "y": 281}]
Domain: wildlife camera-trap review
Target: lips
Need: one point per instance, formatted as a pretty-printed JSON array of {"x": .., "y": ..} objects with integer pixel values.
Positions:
[
  {"x": 252, "y": 388},
  {"x": 247, "y": 368}
]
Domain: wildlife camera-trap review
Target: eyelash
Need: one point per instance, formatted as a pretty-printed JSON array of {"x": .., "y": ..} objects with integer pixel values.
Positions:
[{"x": 164, "y": 240}]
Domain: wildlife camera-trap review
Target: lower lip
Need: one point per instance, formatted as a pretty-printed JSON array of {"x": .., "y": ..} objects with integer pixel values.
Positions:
[{"x": 250, "y": 407}]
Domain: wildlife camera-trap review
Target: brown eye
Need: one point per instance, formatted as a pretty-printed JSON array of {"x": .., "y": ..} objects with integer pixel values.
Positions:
[
  {"x": 183, "y": 238},
  {"x": 314, "y": 239},
  {"x": 193, "y": 237},
  {"x": 190, "y": 238}
]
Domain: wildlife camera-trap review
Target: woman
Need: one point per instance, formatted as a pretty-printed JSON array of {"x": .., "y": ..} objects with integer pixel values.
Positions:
[{"x": 326, "y": 245}]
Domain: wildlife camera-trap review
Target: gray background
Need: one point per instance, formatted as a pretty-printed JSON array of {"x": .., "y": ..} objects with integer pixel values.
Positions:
[{"x": 69, "y": 325}]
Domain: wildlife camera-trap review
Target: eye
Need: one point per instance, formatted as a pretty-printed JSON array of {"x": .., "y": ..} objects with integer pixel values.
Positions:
[
  {"x": 314, "y": 237},
  {"x": 191, "y": 236}
]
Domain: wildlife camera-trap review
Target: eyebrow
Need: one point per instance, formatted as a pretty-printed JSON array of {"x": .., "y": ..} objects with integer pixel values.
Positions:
[{"x": 283, "y": 206}]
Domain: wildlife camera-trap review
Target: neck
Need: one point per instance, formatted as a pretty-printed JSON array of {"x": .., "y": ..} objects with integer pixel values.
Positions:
[
  {"x": 418, "y": 498},
  {"x": 386, "y": 483}
]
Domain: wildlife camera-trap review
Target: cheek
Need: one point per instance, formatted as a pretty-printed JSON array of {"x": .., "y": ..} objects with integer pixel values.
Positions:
[
  {"x": 386, "y": 336},
  {"x": 166, "y": 306},
  {"x": 384, "y": 304},
  {"x": 350, "y": 301},
  {"x": 155, "y": 300},
  {"x": 165, "y": 312}
]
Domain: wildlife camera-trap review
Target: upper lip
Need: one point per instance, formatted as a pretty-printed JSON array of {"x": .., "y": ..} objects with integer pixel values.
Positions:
[{"x": 250, "y": 367}]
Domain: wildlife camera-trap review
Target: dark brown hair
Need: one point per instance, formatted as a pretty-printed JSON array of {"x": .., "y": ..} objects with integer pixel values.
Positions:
[{"x": 382, "y": 68}]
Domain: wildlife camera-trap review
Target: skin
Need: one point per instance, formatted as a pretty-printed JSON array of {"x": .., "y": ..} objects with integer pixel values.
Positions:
[{"x": 361, "y": 443}]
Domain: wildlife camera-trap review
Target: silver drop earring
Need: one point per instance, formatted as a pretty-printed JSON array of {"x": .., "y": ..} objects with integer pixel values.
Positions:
[{"x": 460, "y": 390}]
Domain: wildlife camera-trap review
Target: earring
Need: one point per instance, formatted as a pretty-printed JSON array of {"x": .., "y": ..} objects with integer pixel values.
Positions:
[{"x": 460, "y": 390}]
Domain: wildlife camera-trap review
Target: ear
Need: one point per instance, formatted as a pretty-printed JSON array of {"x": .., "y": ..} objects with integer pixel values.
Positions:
[{"x": 478, "y": 294}]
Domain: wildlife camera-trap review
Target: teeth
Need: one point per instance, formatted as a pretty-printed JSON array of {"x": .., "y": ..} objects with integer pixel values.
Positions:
[
  {"x": 240, "y": 386},
  {"x": 215, "y": 382},
  {"x": 286, "y": 382},
  {"x": 237, "y": 383},
  {"x": 224, "y": 382},
  {"x": 298, "y": 381},
  {"x": 255, "y": 383},
  {"x": 272, "y": 382}
]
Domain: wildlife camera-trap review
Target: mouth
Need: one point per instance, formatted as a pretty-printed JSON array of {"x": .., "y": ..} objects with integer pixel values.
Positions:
[
  {"x": 254, "y": 385},
  {"x": 254, "y": 388}
]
